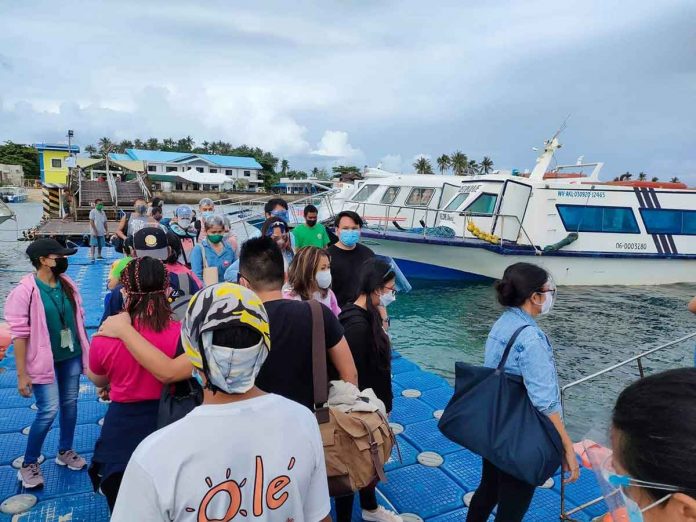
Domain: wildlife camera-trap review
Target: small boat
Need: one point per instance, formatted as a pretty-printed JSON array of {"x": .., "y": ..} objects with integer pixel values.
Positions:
[
  {"x": 5, "y": 212},
  {"x": 13, "y": 194}
]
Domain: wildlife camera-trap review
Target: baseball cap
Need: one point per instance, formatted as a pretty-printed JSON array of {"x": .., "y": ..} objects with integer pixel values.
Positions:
[
  {"x": 46, "y": 246},
  {"x": 151, "y": 242}
]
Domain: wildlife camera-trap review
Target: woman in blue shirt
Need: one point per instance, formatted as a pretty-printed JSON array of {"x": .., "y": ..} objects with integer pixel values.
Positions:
[
  {"x": 527, "y": 291},
  {"x": 218, "y": 253}
]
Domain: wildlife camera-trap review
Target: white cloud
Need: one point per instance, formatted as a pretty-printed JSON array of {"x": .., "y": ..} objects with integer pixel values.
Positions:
[
  {"x": 392, "y": 162},
  {"x": 335, "y": 144}
]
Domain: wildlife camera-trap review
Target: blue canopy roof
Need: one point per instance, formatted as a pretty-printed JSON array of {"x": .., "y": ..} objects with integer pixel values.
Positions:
[{"x": 159, "y": 156}]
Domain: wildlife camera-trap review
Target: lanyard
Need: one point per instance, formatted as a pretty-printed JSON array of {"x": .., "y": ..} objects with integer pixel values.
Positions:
[{"x": 61, "y": 309}]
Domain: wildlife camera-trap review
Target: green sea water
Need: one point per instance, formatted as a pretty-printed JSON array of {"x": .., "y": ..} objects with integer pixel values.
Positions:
[{"x": 437, "y": 324}]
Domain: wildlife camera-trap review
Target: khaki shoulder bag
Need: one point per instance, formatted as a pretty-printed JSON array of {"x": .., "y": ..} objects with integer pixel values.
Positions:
[
  {"x": 356, "y": 444},
  {"x": 210, "y": 273}
]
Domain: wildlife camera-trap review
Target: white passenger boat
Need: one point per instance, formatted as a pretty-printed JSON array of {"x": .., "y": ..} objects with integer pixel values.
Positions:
[
  {"x": 583, "y": 230},
  {"x": 13, "y": 194}
]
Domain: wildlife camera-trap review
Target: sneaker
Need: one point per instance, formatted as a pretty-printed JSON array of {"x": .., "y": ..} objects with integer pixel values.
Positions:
[
  {"x": 100, "y": 257},
  {"x": 380, "y": 515},
  {"x": 30, "y": 476},
  {"x": 70, "y": 459}
]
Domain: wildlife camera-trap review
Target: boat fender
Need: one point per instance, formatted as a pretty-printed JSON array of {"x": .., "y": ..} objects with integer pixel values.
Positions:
[
  {"x": 478, "y": 233},
  {"x": 399, "y": 227},
  {"x": 570, "y": 238}
]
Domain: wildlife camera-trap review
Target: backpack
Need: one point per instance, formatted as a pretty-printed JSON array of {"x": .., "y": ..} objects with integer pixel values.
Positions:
[
  {"x": 356, "y": 444},
  {"x": 182, "y": 297}
]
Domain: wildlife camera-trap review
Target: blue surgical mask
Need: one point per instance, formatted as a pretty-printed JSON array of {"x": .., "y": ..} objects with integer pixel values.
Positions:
[
  {"x": 207, "y": 214},
  {"x": 349, "y": 238},
  {"x": 282, "y": 214}
]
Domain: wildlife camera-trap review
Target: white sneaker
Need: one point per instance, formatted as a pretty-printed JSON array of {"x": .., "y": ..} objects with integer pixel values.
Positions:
[{"x": 380, "y": 515}]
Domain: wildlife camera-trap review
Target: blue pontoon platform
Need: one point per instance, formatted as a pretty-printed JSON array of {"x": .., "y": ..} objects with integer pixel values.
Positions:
[{"x": 432, "y": 482}]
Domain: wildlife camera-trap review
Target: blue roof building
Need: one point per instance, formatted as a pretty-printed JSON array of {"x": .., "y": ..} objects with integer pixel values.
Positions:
[{"x": 163, "y": 166}]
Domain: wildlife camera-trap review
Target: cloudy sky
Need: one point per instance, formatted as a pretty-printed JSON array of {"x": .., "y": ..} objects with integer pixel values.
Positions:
[{"x": 361, "y": 82}]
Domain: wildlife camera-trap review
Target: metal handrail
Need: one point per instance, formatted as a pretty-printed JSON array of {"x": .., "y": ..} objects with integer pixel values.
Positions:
[{"x": 637, "y": 358}]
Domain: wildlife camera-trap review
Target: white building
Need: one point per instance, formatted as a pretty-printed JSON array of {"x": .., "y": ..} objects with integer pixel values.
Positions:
[{"x": 176, "y": 170}]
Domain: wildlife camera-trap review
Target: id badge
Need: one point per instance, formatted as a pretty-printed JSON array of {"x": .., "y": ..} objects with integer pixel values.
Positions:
[{"x": 66, "y": 340}]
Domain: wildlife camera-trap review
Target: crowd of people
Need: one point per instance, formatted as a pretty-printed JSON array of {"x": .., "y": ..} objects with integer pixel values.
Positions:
[{"x": 190, "y": 305}]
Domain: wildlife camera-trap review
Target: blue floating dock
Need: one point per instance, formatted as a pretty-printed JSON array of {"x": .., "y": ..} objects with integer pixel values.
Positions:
[{"x": 433, "y": 494}]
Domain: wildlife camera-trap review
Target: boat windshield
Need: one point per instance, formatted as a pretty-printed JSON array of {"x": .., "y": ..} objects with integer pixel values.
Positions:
[
  {"x": 484, "y": 204},
  {"x": 458, "y": 200},
  {"x": 365, "y": 193}
]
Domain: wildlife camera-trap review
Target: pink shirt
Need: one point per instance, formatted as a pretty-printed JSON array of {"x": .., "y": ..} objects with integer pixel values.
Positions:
[
  {"x": 178, "y": 268},
  {"x": 130, "y": 382},
  {"x": 329, "y": 301}
]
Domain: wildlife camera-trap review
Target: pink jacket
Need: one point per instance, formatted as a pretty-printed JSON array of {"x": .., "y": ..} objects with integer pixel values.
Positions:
[{"x": 24, "y": 312}]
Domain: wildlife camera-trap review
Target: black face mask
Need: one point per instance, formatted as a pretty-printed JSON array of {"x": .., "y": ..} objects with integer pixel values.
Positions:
[
  {"x": 311, "y": 222},
  {"x": 61, "y": 266}
]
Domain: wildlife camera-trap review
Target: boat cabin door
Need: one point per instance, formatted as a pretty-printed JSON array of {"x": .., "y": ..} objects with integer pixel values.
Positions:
[{"x": 513, "y": 204}]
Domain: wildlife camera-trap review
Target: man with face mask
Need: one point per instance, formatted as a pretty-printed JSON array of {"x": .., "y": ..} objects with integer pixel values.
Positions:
[
  {"x": 238, "y": 441},
  {"x": 311, "y": 233},
  {"x": 183, "y": 227},
  {"x": 98, "y": 227},
  {"x": 347, "y": 256}
]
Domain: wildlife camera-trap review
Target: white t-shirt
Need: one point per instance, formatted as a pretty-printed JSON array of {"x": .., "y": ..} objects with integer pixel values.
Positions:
[
  {"x": 258, "y": 460},
  {"x": 99, "y": 218}
]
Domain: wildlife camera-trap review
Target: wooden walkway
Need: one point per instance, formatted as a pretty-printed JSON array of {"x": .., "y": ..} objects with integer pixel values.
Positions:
[{"x": 62, "y": 229}]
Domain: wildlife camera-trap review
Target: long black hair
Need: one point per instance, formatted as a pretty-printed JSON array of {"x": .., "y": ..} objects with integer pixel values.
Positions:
[
  {"x": 375, "y": 275},
  {"x": 656, "y": 422},
  {"x": 146, "y": 281},
  {"x": 520, "y": 281}
]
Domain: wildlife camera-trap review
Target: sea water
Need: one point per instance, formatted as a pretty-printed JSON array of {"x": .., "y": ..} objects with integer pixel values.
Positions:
[{"x": 438, "y": 324}]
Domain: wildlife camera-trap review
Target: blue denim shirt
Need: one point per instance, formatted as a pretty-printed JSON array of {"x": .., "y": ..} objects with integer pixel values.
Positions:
[
  {"x": 221, "y": 261},
  {"x": 530, "y": 357}
]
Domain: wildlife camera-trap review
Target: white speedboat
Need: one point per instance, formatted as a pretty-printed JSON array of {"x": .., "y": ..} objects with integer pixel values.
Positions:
[
  {"x": 13, "y": 194},
  {"x": 583, "y": 230}
]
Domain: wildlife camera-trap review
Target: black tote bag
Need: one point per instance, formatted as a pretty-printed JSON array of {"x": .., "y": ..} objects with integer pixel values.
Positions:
[
  {"x": 177, "y": 400},
  {"x": 491, "y": 415}
]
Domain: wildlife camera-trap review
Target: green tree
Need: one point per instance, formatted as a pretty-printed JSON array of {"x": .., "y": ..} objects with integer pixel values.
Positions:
[
  {"x": 444, "y": 163},
  {"x": 655, "y": 179},
  {"x": 347, "y": 172},
  {"x": 92, "y": 151},
  {"x": 322, "y": 174},
  {"x": 125, "y": 144},
  {"x": 297, "y": 174},
  {"x": 675, "y": 180},
  {"x": 105, "y": 146},
  {"x": 152, "y": 144},
  {"x": 486, "y": 165},
  {"x": 473, "y": 168},
  {"x": 459, "y": 163},
  {"x": 642, "y": 176},
  {"x": 423, "y": 166},
  {"x": 138, "y": 143},
  {"x": 284, "y": 166},
  {"x": 16, "y": 154},
  {"x": 185, "y": 144},
  {"x": 168, "y": 144}
]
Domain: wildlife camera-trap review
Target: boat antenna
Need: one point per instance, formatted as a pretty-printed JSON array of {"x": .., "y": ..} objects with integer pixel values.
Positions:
[{"x": 561, "y": 128}]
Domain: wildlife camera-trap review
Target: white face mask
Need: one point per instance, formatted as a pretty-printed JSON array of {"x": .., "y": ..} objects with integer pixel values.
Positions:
[
  {"x": 547, "y": 305},
  {"x": 184, "y": 223},
  {"x": 387, "y": 299},
  {"x": 240, "y": 365},
  {"x": 323, "y": 278}
]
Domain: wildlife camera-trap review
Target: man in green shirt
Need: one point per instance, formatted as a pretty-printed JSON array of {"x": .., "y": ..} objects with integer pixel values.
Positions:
[{"x": 311, "y": 233}]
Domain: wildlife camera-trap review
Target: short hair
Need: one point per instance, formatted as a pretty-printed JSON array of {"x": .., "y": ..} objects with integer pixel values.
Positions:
[
  {"x": 273, "y": 203},
  {"x": 354, "y": 216},
  {"x": 98, "y": 200},
  {"x": 215, "y": 220},
  {"x": 261, "y": 263},
  {"x": 206, "y": 202},
  {"x": 310, "y": 209},
  {"x": 157, "y": 202}
]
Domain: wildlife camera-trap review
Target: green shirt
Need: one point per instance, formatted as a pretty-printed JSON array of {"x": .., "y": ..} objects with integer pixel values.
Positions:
[
  {"x": 59, "y": 314},
  {"x": 310, "y": 236}
]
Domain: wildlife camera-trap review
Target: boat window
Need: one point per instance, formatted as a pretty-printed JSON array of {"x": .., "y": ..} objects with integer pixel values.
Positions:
[
  {"x": 583, "y": 218},
  {"x": 454, "y": 204},
  {"x": 420, "y": 197},
  {"x": 664, "y": 221},
  {"x": 365, "y": 193},
  {"x": 390, "y": 195},
  {"x": 484, "y": 204}
]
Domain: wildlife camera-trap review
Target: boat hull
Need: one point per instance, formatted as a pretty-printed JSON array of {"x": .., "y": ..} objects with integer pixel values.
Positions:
[{"x": 472, "y": 262}]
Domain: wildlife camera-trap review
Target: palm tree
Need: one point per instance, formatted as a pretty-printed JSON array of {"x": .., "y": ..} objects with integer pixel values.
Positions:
[
  {"x": 473, "y": 168},
  {"x": 284, "y": 166},
  {"x": 138, "y": 143},
  {"x": 206, "y": 146},
  {"x": 315, "y": 172},
  {"x": 459, "y": 163},
  {"x": 105, "y": 145},
  {"x": 152, "y": 144},
  {"x": 444, "y": 163},
  {"x": 92, "y": 151},
  {"x": 674, "y": 180},
  {"x": 642, "y": 176},
  {"x": 423, "y": 166},
  {"x": 655, "y": 179},
  {"x": 168, "y": 144},
  {"x": 486, "y": 165}
]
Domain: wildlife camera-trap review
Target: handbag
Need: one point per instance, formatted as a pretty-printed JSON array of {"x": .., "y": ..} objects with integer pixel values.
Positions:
[
  {"x": 356, "y": 444},
  {"x": 210, "y": 273},
  {"x": 491, "y": 414},
  {"x": 177, "y": 400}
]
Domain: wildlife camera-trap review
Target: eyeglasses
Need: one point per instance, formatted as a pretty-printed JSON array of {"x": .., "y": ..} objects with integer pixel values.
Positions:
[{"x": 392, "y": 289}]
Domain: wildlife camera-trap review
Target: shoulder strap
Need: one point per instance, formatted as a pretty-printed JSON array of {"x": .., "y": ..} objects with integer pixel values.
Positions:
[
  {"x": 319, "y": 376},
  {"x": 205, "y": 260},
  {"x": 509, "y": 346},
  {"x": 184, "y": 283}
]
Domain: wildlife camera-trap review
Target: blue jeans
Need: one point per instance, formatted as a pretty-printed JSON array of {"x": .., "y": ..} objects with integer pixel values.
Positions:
[{"x": 61, "y": 395}]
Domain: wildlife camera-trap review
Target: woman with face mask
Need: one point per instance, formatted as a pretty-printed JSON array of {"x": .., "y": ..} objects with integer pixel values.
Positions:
[
  {"x": 206, "y": 209},
  {"x": 212, "y": 252},
  {"x": 650, "y": 475},
  {"x": 277, "y": 229},
  {"x": 47, "y": 325},
  {"x": 182, "y": 226},
  {"x": 309, "y": 277},
  {"x": 371, "y": 351},
  {"x": 527, "y": 291},
  {"x": 135, "y": 392}
]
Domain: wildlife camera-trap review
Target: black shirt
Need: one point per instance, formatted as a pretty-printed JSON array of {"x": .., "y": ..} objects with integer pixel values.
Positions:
[
  {"x": 345, "y": 271},
  {"x": 288, "y": 369},
  {"x": 372, "y": 372}
]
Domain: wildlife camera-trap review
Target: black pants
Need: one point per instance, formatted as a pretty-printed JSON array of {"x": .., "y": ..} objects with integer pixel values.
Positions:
[
  {"x": 110, "y": 489},
  {"x": 344, "y": 505},
  {"x": 512, "y": 496}
]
